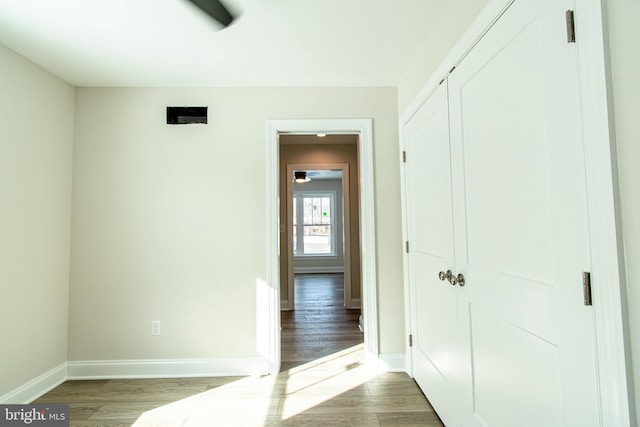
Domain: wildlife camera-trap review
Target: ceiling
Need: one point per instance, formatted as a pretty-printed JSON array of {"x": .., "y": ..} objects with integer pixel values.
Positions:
[
  {"x": 170, "y": 43},
  {"x": 322, "y": 174}
]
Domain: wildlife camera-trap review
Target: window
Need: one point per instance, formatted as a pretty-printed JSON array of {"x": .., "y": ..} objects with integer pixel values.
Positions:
[{"x": 314, "y": 224}]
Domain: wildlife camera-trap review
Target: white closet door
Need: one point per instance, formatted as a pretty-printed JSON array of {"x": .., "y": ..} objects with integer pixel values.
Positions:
[
  {"x": 430, "y": 230},
  {"x": 521, "y": 226}
]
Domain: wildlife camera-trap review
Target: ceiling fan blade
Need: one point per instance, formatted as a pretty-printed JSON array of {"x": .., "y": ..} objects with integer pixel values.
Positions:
[{"x": 216, "y": 10}]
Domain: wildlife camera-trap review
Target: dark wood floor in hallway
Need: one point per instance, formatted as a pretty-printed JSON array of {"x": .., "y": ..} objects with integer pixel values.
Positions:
[{"x": 319, "y": 325}]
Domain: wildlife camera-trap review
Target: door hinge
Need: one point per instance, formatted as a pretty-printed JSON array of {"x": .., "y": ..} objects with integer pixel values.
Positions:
[
  {"x": 586, "y": 287},
  {"x": 404, "y": 157},
  {"x": 410, "y": 340},
  {"x": 406, "y": 246},
  {"x": 571, "y": 27}
]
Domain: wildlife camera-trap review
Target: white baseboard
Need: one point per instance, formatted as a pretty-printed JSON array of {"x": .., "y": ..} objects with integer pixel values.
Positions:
[
  {"x": 284, "y": 305},
  {"x": 354, "y": 303},
  {"x": 35, "y": 388},
  {"x": 392, "y": 362},
  {"x": 163, "y": 368},
  {"x": 166, "y": 368}
]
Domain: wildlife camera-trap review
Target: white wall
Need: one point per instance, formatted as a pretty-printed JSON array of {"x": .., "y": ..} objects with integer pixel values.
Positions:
[
  {"x": 168, "y": 225},
  {"x": 624, "y": 35},
  {"x": 36, "y": 138}
]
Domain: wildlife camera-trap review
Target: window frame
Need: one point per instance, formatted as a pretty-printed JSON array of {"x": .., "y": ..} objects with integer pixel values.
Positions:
[{"x": 298, "y": 236}]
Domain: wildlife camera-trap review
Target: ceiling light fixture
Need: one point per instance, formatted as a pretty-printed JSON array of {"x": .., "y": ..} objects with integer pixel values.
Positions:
[
  {"x": 321, "y": 135},
  {"x": 300, "y": 177}
]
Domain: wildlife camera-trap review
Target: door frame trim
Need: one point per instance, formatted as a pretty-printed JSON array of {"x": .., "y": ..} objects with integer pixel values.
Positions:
[
  {"x": 364, "y": 129},
  {"x": 607, "y": 254}
]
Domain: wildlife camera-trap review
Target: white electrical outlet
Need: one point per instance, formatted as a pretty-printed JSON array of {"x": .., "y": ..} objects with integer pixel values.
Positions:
[{"x": 155, "y": 327}]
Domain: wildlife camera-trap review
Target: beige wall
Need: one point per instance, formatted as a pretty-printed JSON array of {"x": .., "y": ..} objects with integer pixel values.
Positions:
[
  {"x": 36, "y": 137},
  {"x": 454, "y": 18},
  {"x": 624, "y": 35},
  {"x": 167, "y": 225},
  {"x": 318, "y": 154}
]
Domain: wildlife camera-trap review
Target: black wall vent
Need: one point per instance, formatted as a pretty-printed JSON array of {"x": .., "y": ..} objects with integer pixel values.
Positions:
[{"x": 186, "y": 115}]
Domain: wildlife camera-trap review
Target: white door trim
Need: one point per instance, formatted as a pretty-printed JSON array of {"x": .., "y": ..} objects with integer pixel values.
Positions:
[
  {"x": 363, "y": 128},
  {"x": 607, "y": 255}
]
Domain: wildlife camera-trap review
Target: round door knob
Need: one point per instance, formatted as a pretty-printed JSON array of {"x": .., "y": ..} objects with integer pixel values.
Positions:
[
  {"x": 449, "y": 276},
  {"x": 442, "y": 276},
  {"x": 453, "y": 280}
]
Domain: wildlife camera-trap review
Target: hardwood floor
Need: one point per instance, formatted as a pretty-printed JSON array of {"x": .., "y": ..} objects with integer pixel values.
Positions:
[
  {"x": 320, "y": 325},
  {"x": 326, "y": 384}
]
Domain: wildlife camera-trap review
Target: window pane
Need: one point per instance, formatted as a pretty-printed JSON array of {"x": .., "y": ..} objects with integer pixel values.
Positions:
[
  {"x": 295, "y": 222},
  {"x": 319, "y": 201},
  {"x": 295, "y": 211},
  {"x": 312, "y": 225},
  {"x": 326, "y": 210},
  {"x": 317, "y": 239},
  {"x": 308, "y": 210},
  {"x": 295, "y": 240},
  {"x": 317, "y": 210}
]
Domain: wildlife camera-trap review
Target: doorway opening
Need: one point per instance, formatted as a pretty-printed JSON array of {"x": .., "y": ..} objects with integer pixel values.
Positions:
[
  {"x": 320, "y": 274},
  {"x": 360, "y": 131},
  {"x": 319, "y": 215}
]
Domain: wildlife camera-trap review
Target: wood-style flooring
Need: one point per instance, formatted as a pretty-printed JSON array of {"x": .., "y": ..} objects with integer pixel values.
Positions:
[
  {"x": 319, "y": 325},
  {"x": 326, "y": 384}
]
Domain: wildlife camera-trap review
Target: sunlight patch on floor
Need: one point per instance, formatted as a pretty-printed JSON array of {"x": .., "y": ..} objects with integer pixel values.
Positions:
[
  {"x": 256, "y": 399},
  {"x": 251, "y": 397},
  {"x": 317, "y": 382}
]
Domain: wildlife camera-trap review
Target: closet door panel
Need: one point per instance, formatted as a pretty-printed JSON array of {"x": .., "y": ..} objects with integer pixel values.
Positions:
[
  {"x": 521, "y": 241},
  {"x": 430, "y": 234}
]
